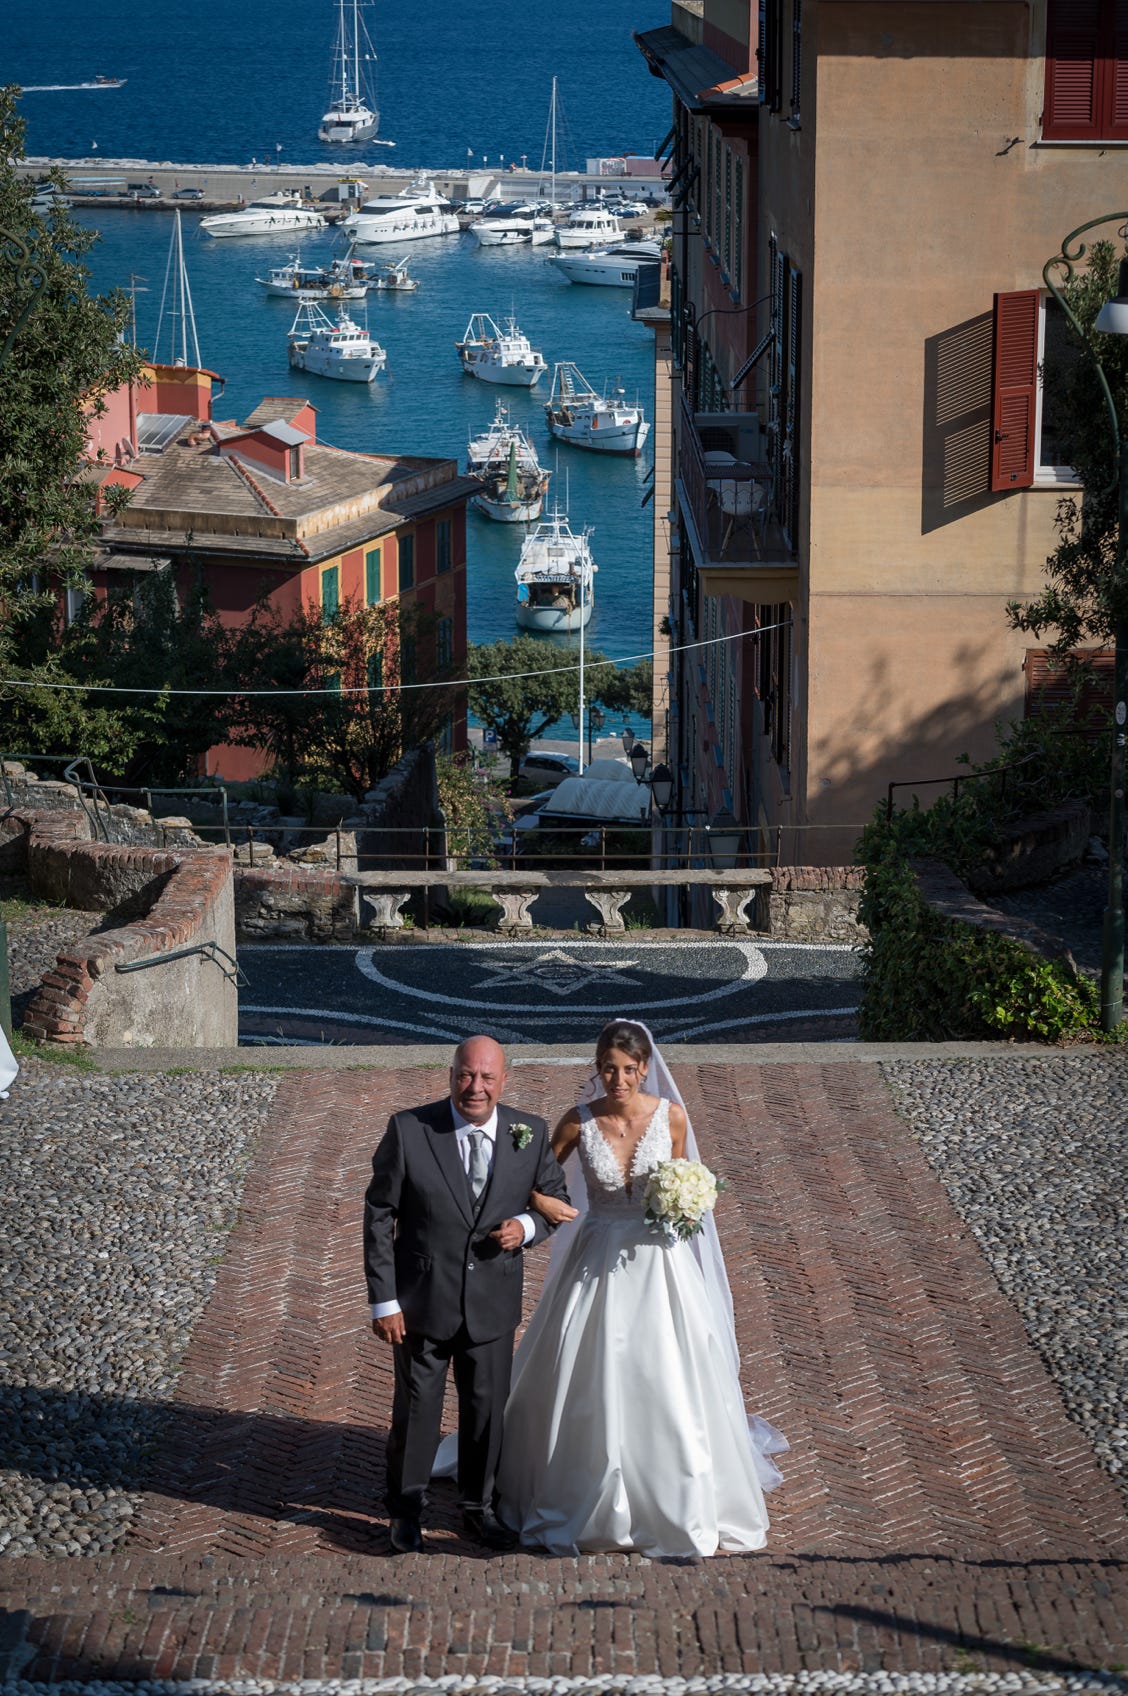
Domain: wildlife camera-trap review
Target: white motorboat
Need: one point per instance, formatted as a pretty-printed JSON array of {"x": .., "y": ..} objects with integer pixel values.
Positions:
[
  {"x": 512, "y": 226},
  {"x": 555, "y": 579},
  {"x": 353, "y": 114},
  {"x": 504, "y": 461},
  {"x": 577, "y": 414},
  {"x": 416, "y": 211},
  {"x": 270, "y": 215},
  {"x": 612, "y": 267},
  {"x": 333, "y": 347},
  {"x": 395, "y": 279},
  {"x": 499, "y": 356},
  {"x": 589, "y": 226},
  {"x": 344, "y": 278}
]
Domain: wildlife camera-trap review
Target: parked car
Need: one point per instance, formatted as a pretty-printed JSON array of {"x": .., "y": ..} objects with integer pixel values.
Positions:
[
  {"x": 143, "y": 191},
  {"x": 548, "y": 769},
  {"x": 188, "y": 194}
]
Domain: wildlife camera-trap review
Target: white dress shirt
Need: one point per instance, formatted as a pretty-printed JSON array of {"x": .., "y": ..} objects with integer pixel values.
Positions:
[{"x": 462, "y": 1129}]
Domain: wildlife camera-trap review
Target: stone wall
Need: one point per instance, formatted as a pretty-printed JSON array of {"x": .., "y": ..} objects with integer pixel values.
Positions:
[
  {"x": 289, "y": 902},
  {"x": 395, "y": 817},
  {"x": 1034, "y": 849},
  {"x": 812, "y": 904},
  {"x": 943, "y": 891}
]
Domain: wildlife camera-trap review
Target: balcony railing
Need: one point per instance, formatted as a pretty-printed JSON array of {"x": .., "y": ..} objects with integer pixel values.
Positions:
[{"x": 727, "y": 487}]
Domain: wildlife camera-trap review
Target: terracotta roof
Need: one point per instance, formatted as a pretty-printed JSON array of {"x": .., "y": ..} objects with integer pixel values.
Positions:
[
  {"x": 700, "y": 78},
  {"x": 272, "y": 407}
]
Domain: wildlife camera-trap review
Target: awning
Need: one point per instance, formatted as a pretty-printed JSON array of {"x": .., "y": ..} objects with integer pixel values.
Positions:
[{"x": 700, "y": 78}]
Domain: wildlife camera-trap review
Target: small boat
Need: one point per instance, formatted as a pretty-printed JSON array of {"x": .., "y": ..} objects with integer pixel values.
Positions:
[
  {"x": 497, "y": 357},
  {"x": 344, "y": 278},
  {"x": 414, "y": 212},
  {"x": 589, "y": 226},
  {"x": 353, "y": 114},
  {"x": 394, "y": 278},
  {"x": 270, "y": 215},
  {"x": 333, "y": 348},
  {"x": 504, "y": 461},
  {"x": 612, "y": 267},
  {"x": 576, "y": 413},
  {"x": 105, "y": 82},
  {"x": 555, "y": 579}
]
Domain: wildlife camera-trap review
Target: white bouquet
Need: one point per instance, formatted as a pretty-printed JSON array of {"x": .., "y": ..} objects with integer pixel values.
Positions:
[{"x": 679, "y": 1193}]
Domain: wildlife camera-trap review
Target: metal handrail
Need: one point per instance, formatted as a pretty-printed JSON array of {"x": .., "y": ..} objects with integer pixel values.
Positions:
[{"x": 961, "y": 777}]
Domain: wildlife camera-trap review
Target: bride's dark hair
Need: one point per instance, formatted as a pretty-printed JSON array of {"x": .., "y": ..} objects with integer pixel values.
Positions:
[{"x": 629, "y": 1039}]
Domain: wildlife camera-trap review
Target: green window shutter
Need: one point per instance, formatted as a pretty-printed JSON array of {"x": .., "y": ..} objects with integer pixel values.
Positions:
[
  {"x": 330, "y": 594},
  {"x": 407, "y": 562},
  {"x": 442, "y": 545},
  {"x": 372, "y": 577},
  {"x": 375, "y": 671}
]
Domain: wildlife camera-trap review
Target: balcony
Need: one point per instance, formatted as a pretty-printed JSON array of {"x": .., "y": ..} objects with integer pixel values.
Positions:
[{"x": 730, "y": 508}]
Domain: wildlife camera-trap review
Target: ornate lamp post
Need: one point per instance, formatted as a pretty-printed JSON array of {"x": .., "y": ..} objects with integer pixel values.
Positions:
[{"x": 1111, "y": 320}]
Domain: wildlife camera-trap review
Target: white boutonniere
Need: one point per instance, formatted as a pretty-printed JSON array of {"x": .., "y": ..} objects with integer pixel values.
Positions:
[{"x": 522, "y": 1135}]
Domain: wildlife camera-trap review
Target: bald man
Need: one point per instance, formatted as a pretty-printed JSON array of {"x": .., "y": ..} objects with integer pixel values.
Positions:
[{"x": 446, "y": 1223}]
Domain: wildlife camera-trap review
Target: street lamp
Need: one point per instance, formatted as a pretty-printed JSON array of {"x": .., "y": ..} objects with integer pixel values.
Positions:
[
  {"x": 640, "y": 759},
  {"x": 1111, "y": 320},
  {"x": 597, "y": 718},
  {"x": 628, "y": 740},
  {"x": 724, "y": 836},
  {"x": 662, "y": 787}
]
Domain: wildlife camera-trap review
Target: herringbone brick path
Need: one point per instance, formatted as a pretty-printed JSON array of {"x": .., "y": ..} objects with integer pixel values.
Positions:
[{"x": 936, "y": 1495}]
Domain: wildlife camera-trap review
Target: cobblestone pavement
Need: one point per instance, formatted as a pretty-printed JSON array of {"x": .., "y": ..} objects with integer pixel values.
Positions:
[
  {"x": 941, "y": 1511},
  {"x": 37, "y": 932}
]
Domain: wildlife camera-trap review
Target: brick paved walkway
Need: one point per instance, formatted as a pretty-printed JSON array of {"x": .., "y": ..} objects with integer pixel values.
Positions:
[{"x": 938, "y": 1503}]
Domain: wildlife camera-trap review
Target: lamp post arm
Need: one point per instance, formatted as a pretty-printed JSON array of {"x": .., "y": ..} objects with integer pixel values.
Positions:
[{"x": 1072, "y": 251}]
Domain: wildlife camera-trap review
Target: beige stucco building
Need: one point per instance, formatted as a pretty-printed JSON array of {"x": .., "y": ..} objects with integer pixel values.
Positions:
[{"x": 866, "y": 193}]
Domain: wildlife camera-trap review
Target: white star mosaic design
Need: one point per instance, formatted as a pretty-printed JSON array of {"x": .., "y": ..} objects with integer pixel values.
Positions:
[{"x": 557, "y": 971}]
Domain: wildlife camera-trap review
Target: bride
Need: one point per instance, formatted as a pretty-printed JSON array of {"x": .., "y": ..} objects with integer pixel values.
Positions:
[{"x": 625, "y": 1427}]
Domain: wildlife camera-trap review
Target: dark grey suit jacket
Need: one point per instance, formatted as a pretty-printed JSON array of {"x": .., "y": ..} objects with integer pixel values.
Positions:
[{"x": 427, "y": 1247}]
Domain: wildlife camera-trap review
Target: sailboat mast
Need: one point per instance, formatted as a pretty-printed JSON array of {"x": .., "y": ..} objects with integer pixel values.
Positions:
[
  {"x": 356, "y": 52},
  {"x": 343, "y": 51},
  {"x": 552, "y": 163}
]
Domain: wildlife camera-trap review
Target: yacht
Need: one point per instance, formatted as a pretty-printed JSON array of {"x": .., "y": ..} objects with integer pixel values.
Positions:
[
  {"x": 499, "y": 356},
  {"x": 576, "y": 413},
  {"x": 504, "y": 461},
  {"x": 511, "y": 226},
  {"x": 333, "y": 347},
  {"x": 270, "y": 215},
  {"x": 589, "y": 226},
  {"x": 555, "y": 579},
  {"x": 353, "y": 114},
  {"x": 344, "y": 278},
  {"x": 612, "y": 267},
  {"x": 414, "y": 212}
]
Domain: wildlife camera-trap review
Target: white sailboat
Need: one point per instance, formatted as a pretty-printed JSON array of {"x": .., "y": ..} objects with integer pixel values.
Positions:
[
  {"x": 577, "y": 413},
  {"x": 353, "y": 114},
  {"x": 504, "y": 461},
  {"x": 333, "y": 347},
  {"x": 176, "y": 298},
  {"x": 498, "y": 356},
  {"x": 555, "y": 579}
]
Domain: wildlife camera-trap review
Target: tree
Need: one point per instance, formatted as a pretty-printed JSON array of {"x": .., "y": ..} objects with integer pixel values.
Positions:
[
  {"x": 532, "y": 685},
  {"x": 367, "y": 678},
  {"x": 1082, "y": 599},
  {"x": 628, "y": 689}
]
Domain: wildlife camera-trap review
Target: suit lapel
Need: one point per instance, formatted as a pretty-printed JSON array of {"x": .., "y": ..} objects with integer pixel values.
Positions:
[{"x": 444, "y": 1147}]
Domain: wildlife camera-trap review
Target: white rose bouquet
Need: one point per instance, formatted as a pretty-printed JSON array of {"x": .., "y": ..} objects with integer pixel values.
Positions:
[{"x": 679, "y": 1193}]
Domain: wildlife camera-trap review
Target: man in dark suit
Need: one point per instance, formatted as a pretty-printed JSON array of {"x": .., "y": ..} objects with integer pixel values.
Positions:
[{"x": 446, "y": 1221}]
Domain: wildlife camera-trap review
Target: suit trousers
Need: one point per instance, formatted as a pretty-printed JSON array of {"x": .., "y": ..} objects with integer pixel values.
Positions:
[{"x": 482, "y": 1374}]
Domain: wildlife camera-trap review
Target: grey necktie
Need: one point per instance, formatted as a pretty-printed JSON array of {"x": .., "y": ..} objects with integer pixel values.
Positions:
[{"x": 479, "y": 1163}]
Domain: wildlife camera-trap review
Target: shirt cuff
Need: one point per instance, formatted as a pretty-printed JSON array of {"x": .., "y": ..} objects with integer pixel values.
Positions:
[
  {"x": 385, "y": 1309},
  {"x": 525, "y": 1220}
]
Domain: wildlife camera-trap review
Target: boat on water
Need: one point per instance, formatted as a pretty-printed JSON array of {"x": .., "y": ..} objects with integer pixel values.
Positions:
[
  {"x": 344, "y": 278},
  {"x": 512, "y": 226},
  {"x": 269, "y": 215},
  {"x": 416, "y": 211},
  {"x": 394, "y": 278},
  {"x": 555, "y": 579},
  {"x": 333, "y": 347},
  {"x": 105, "y": 82},
  {"x": 610, "y": 267},
  {"x": 498, "y": 356},
  {"x": 504, "y": 461},
  {"x": 589, "y": 226},
  {"x": 353, "y": 114},
  {"x": 577, "y": 413}
]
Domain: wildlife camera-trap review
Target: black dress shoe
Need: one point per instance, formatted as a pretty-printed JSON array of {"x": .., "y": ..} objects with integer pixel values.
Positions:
[
  {"x": 482, "y": 1525},
  {"x": 406, "y": 1537}
]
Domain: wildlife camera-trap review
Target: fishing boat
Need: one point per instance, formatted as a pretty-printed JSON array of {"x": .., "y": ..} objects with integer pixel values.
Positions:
[
  {"x": 589, "y": 226},
  {"x": 577, "y": 413},
  {"x": 555, "y": 579},
  {"x": 353, "y": 114},
  {"x": 333, "y": 347},
  {"x": 344, "y": 278},
  {"x": 498, "y": 356},
  {"x": 416, "y": 211},
  {"x": 395, "y": 278},
  {"x": 610, "y": 267},
  {"x": 504, "y": 461},
  {"x": 270, "y": 215}
]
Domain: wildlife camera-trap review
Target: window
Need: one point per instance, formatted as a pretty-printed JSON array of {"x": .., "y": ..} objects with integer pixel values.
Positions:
[
  {"x": 773, "y": 680},
  {"x": 330, "y": 594},
  {"x": 796, "y": 59},
  {"x": 376, "y": 671},
  {"x": 75, "y": 601},
  {"x": 785, "y": 330},
  {"x": 406, "y": 562},
  {"x": 1032, "y": 360},
  {"x": 726, "y": 252},
  {"x": 769, "y": 53},
  {"x": 446, "y": 735},
  {"x": 442, "y": 545},
  {"x": 372, "y": 577},
  {"x": 444, "y": 643},
  {"x": 295, "y": 464},
  {"x": 407, "y": 659},
  {"x": 1058, "y": 355},
  {"x": 1086, "y": 71}
]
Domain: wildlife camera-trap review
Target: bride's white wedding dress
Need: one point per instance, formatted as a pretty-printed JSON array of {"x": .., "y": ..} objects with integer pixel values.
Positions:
[{"x": 625, "y": 1427}]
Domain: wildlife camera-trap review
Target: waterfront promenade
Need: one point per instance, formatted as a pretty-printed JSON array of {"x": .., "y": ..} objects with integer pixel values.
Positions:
[{"x": 926, "y": 1264}]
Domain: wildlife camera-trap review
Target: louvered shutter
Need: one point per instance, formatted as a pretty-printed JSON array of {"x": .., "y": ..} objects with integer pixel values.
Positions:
[
  {"x": 1052, "y": 692},
  {"x": 1115, "y": 126},
  {"x": 1015, "y": 389},
  {"x": 1073, "y": 70}
]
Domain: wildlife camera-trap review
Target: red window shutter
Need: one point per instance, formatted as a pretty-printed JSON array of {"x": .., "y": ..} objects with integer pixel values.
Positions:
[
  {"x": 1015, "y": 389},
  {"x": 1073, "y": 70}
]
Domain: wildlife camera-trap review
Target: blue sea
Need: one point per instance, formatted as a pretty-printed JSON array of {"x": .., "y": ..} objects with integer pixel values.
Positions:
[{"x": 211, "y": 84}]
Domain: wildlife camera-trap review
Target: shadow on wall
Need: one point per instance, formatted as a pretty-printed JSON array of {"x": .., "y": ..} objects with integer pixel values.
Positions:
[{"x": 956, "y": 434}]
